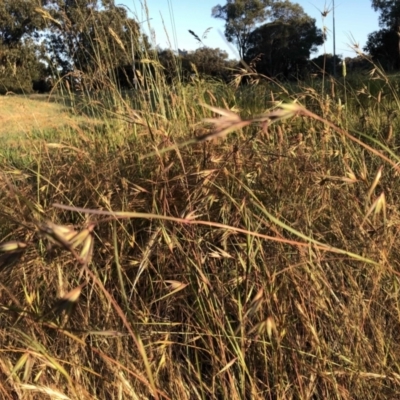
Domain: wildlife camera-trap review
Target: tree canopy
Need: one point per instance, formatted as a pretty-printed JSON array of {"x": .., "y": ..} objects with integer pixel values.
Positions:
[
  {"x": 93, "y": 38},
  {"x": 95, "y": 41},
  {"x": 389, "y": 13},
  {"x": 285, "y": 48},
  {"x": 280, "y": 31},
  {"x": 20, "y": 25},
  {"x": 384, "y": 45},
  {"x": 241, "y": 17}
]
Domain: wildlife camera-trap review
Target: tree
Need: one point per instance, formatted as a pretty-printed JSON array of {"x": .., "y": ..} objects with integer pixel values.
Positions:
[
  {"x": 389, "y": 19},
  {"x": 286, "y": 42},
  {"x": 206, "y": 61},
  {"x": 93, "y": 40},
  {"x": 241, "y": 17},
  {"x": 20, "y": 25},
  {"x": 84, "y": 40},
  {"x": 209, "y": 62},
  {"x": 390, "y": 13},
  {"x": 19, "y": 67},
  {"x": 325, "y": 63},
  {"x": 18, "y": 20},
  {"x": 382, "y": 45}
]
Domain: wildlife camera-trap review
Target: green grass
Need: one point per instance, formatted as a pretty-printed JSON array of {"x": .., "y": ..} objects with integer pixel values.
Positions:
[{"x": 263, "y": 263}]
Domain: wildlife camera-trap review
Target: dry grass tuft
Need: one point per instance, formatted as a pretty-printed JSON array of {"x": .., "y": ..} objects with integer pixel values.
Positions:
[{"x": 247, "y": 249}]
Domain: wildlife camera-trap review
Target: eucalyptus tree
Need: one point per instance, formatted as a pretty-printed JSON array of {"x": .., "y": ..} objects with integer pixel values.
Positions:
[
  {"x": 285, "y": 42},
  {"x": 20, "y": 19},
  {"x": 384, "y": 44},
  {"x": 241, "y": 17},
  {"x": 20, "y": 26},
  {"x": 96, "y": 38},
  {"x": 389, "y": 13},
  {"x": 209, "y": 62}
]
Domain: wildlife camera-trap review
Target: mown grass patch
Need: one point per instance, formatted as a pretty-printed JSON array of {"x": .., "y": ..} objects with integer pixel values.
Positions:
[{"x": 22, "y": 117}]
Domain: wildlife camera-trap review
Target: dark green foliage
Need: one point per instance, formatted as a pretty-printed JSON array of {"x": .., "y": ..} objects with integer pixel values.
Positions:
[
  {"x": 205, "y": 61},
  {"x": 241, "y": 17},
  {"x": 19, "y": 27},
  {"x": 384, "y": 45},
  {"x": 390, "y": 12},
  {"x": 285, "y": 43},
  {"x": 91, "y": 42},
  {"x": 170, "y": 63},
  {"x": 18, "y": 20},
  {"x": 98, "y": 39},
  {"x": 208, "y": 61},
  {"x": 357, "y": 64},
  {"x": 19, "y": 67},
  {"x": 324, "y": 63}
]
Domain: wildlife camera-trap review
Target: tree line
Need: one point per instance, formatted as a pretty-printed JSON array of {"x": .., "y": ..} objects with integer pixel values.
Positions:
[
  {"x": 384, "y": 45},
  {"x": 88, "y": 43},
  {"x": 43, "y": 40}
]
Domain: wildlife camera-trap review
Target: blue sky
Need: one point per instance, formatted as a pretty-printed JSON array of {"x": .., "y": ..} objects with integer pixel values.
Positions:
[{"x": 355, "y": 19}]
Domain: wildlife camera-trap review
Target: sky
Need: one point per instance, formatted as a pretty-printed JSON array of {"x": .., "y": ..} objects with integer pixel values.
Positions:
[{"x": 170, "y": 21}]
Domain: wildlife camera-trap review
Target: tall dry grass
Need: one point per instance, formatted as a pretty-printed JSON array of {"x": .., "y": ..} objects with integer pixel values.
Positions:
[{"x": 247, "y": 249}]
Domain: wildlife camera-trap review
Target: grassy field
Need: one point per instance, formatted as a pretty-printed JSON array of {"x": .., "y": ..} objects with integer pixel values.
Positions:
[
  {"x": 22, "y": 115},
  {"x": 201, "y": 241}
]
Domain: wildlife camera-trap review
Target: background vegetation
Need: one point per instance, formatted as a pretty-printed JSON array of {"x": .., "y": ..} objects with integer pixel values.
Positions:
[
  {"x": 187, "y": 227},
  {"x": 83, "y": 44}
]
